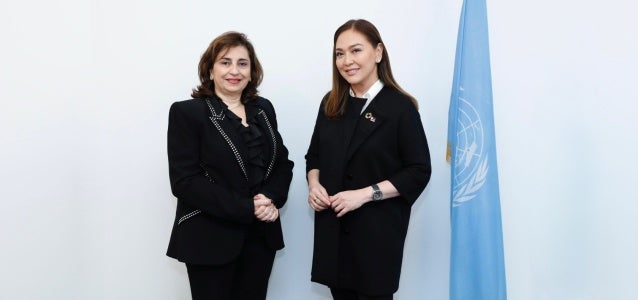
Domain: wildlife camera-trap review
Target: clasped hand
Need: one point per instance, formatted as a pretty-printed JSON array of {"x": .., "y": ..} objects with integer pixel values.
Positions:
[
  {"x": 265, "y": 210},
  {"x": 341, "y": 203}
]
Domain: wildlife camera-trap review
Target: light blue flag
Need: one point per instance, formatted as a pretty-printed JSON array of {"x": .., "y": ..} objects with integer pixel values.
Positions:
[{"x": 477, "y": 268}]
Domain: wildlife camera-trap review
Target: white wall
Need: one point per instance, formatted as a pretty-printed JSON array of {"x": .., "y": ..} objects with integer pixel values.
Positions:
[{"x": 85, "y": 88}]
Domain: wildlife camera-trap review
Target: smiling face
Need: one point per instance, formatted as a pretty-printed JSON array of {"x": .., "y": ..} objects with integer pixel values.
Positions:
[
  {"x": 356, "y": 59},
  {"x": 231, "y": 72}
]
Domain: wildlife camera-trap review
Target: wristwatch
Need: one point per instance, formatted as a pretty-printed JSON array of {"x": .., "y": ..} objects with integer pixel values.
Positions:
[{"x": 376, "y": 193}]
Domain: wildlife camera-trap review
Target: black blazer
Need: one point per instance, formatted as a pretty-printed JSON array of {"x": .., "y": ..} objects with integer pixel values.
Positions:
[
  {"x": 206, "y": 157},
  {"x": 388, "y": 142}
]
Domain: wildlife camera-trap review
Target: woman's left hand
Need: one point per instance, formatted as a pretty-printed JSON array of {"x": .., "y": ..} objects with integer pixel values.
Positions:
[
  {"x": 265, "y": 210},
  {"x": 348, "y": 201}
]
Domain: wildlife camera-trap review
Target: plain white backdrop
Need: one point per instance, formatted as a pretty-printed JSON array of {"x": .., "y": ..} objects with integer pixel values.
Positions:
[{"x": 85, "y": 88}]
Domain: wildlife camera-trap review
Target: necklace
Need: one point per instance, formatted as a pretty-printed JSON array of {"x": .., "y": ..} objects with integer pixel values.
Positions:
[{"x": 234, "y": 106}]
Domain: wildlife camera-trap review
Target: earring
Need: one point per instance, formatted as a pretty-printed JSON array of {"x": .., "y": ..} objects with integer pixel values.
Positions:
[{"x": 378, "y": 60}]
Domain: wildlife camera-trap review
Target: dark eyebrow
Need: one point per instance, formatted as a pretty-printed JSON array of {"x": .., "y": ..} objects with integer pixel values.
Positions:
[
  {"x": 352, "y": 46},
  {"x": 228, "y": 58}
]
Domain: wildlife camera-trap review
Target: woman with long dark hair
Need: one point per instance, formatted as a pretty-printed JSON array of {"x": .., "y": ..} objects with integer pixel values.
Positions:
[{"x": 367, "y": 163}]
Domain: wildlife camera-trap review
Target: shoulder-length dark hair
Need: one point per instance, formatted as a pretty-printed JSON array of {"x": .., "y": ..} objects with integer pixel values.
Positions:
[
  {"x": 219, "y": 46},
  {"x": 334, "y": 106}
]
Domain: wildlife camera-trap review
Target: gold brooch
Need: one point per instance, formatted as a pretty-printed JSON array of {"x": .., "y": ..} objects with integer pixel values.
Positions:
[{"x": 370, "y": 117}]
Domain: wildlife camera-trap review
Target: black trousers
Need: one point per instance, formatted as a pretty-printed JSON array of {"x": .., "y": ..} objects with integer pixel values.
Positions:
[
  {"x": 345, "y": 294},
  {"x": 245, "y": 278}
]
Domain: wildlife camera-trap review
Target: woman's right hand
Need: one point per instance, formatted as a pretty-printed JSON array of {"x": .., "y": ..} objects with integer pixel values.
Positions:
[
  {"x": 318, "y": 197},
  {"x": 265, "y": 210}
]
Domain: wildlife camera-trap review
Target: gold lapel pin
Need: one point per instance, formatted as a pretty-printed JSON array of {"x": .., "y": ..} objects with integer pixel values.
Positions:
[{"x": 370, "y": 117}]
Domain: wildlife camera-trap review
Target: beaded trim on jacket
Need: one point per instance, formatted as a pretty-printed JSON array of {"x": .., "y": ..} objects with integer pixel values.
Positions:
[{"x": 214, "y": 118}]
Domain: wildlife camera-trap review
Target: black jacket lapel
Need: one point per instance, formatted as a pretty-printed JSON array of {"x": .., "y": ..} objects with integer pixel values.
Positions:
[
  {"x": 370, "y": 120},
  {"x": 350, "y": 119},
  {"x": 226, "y": 128}
]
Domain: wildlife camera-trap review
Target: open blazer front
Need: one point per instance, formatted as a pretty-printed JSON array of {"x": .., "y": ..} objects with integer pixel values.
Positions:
[
  {"x": 386, "y": 141},
  {"x": 207, "y": 158}
]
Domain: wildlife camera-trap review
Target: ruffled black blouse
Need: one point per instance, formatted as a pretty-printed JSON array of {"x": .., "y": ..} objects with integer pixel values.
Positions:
[{"x": 255, "y": 143}]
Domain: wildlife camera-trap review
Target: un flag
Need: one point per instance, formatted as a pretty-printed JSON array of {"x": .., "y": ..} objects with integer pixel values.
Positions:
[{"x": 477, "y": 268}]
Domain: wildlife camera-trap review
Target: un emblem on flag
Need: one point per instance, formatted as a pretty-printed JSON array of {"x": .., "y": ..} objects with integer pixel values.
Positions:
[{"x": 470, "y": 163}]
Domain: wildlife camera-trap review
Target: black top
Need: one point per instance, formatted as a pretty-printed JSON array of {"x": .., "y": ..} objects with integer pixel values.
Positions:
[
  {"x": 255, "y": 145},
  {"x": 215, "y": 213},
  {"x": 255, "y": 149},
  {"x": 363, "y": 250}
]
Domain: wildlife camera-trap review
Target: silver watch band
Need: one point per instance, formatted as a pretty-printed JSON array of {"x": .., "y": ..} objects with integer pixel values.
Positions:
[{"x": 376, "y": 193}]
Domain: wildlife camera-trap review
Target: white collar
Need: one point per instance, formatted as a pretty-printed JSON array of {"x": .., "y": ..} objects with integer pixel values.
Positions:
[{"x": 370, "y": 94}]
